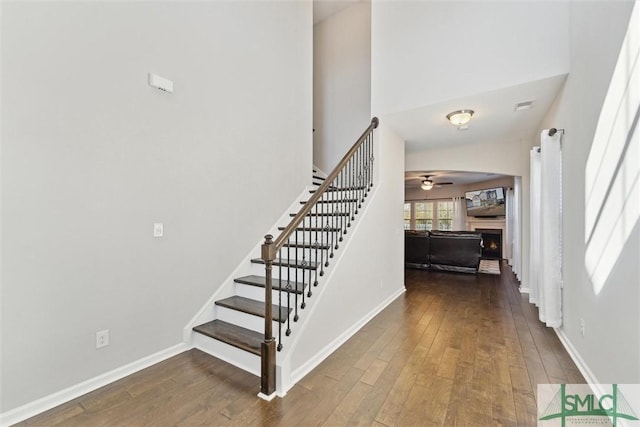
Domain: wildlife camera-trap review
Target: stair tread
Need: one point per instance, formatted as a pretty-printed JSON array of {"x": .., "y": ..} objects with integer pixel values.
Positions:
[
  {"x": 324, "y": 214},
  {"x": 237, "y": 336},
  {"x": 256, "y": 308},
  {"x": 304, "y": 202},
  {"x": 330, "y": 229},
  {"x": 360, "y": 187},
  {"x": 259, "y": 281},
  {"x": 311, "y": 265},
  {"x": 321, "y": 246}
]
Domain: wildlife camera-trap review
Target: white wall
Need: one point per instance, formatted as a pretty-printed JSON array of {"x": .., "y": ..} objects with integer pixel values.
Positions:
[
  {"x": 523, "y": 40},
  {"x": 92, "y": 157},
  {"x": 359, "y": 286},
  {"x": 610, "y": 348},
  {"x": 341, "y": 83}
]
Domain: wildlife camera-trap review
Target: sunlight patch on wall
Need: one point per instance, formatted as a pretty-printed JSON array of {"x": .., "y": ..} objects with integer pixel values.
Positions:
[{"x": 612, "y": 187}]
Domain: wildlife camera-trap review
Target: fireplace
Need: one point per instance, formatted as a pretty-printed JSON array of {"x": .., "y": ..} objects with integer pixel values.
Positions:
[{"x": 492, "y": 243}]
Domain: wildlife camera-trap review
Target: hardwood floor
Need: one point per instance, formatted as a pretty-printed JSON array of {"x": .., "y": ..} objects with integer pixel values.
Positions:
[{"x": 455, "y": 350}]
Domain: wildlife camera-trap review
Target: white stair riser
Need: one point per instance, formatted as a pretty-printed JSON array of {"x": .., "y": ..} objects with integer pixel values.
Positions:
[
  {"x": 240, "y": 358},
  {"x": 245, "y": 320}
]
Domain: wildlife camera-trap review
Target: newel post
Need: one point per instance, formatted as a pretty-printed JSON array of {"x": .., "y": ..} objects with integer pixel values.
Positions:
[{"x": 268, "y": 347}]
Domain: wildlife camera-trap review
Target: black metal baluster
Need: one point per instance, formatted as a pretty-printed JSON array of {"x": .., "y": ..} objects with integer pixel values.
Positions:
[
  {"x": 345, "y": 195},
  {"x": 288, "y": 331},
  {"x": 322, "y": 229},
  {"x": 325, "y": 233},
  {"x": 280, "y": 299},
  {"x": 352, "y": 189},
  {"x": 356, "y": 183},
  {"x": 363, "y": 172},
  {"x": 360, "y": 176},
  {"x": 330, "y": 235},
  {"x": 373, "y": 159},
  {"x": 365, "y": 160},
  {"x": 303, "y": 262},
  {"x": 295, "y": 267},
  {"x": 334, "y": 209},
  {"x": 366, "y": 166},
  {"x": 339, "y": 199},
  {"x": 314, "y": 249}
]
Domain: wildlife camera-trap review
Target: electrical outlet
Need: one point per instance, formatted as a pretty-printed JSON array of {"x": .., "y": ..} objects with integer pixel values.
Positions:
[
  {"x": 582, "y": 327},
  {"x": 102, "y": 338},
  {"x": 158, "y": 229}
]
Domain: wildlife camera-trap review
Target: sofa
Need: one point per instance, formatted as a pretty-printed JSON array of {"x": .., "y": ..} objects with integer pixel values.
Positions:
[{"x": 458, "y": 251}]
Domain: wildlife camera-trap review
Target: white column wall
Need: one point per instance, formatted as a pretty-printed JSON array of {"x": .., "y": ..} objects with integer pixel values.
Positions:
[{"x": 341, "y": 83}]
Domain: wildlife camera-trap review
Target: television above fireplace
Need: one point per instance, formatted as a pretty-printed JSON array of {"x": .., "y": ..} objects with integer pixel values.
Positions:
[{"x": 489, "y": 202}]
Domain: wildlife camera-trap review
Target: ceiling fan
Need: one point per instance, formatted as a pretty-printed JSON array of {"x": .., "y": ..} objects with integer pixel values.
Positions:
[{"x": 427, "y": 183}]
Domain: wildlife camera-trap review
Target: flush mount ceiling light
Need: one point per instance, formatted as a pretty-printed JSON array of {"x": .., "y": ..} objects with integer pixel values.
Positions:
[
  {"x": 460, "y": 117},
  {"x": 427, "y": 184}
]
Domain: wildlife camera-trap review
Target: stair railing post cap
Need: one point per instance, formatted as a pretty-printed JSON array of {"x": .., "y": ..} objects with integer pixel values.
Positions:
[{"x": 268, "y": 249}]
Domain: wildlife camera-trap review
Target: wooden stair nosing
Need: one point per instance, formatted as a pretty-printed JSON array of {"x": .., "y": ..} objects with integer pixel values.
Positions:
[
  {"x": 331, "y": 189},
  {"x": 237, "y": 336},
  {"x": 259, "y": 281},
  {"x": 324, "y": 214},
  {"x": 253, "y": 307},
  {"x": 311, "y": 265},
  {"x": 318, "y": 229},
  {"x": 304, "y": 202},
  {"x": 321, "y": 246}
]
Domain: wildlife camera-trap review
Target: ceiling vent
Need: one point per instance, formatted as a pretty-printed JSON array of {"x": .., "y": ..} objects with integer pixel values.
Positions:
[{"x": 525, "y": 105}]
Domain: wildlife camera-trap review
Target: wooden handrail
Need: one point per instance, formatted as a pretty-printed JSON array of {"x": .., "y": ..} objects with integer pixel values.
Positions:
[
  {"x": 289, "y": 229},
  {"x": 269, "y": 253}
]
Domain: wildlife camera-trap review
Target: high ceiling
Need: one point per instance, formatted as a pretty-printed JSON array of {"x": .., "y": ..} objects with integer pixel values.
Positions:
[
  {"x": 495, "y": 118},
  {"x": 417, "y": 110}
]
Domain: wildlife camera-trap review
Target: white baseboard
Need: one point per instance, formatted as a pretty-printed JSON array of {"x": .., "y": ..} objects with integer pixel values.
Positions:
[
  {"x": 303, "y": 370},
  {"x": 577, "y": 359},
  {"x": 525, "y": 290},
  {"x": 36, "y": 407}
]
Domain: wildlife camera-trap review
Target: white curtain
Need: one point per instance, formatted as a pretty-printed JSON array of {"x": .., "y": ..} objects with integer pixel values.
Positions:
[
  {"x": 508, "y": 237},
  {"x": 534, "y": 225},
  {"x": 459, "y": 222},
  {"x": 513, "y": 250},
  {"x": 516, "y": 249},
  {"x": 545, "y": 279}
]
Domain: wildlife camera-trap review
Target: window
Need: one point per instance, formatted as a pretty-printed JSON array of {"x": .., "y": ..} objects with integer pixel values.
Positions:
[
  {"x": 424, "y": 215},
  {"x": 445, "y": 215},
  {"x": 429, "y": 215},
  {"x": 407, "y": 216}
]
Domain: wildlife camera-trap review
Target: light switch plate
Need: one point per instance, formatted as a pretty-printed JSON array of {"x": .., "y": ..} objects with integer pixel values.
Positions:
[{"x": 158, "y": 229}]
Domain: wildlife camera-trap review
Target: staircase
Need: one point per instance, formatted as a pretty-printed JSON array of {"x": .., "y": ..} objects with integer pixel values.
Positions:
[{"x": 292, "y": 265}]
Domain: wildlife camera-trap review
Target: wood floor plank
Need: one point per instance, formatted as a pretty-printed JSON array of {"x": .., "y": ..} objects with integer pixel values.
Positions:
[
  {"x": 372, "y": 374},
  {"x": 454, "y": 350},
  {"x": 348, "y": 406},
  {"x": 448, "y": 363}
]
